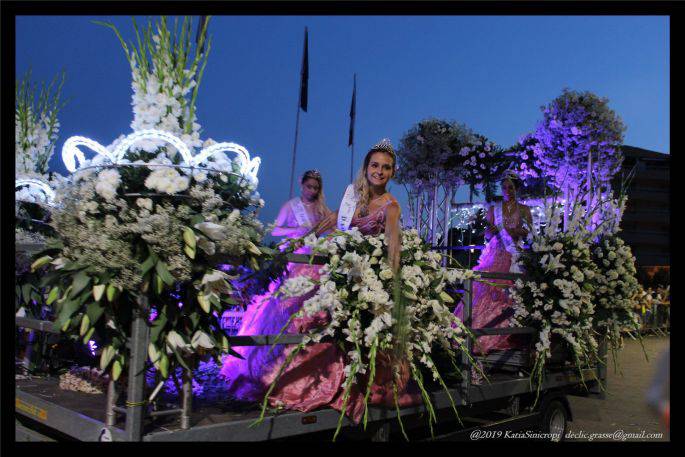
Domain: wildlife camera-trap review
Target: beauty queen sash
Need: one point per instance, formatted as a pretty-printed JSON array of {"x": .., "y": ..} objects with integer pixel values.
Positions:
[
  {"x": 300, "y": 213},
  {"x": 509, "y": 245},
  {"x": 347, "y": 207}
]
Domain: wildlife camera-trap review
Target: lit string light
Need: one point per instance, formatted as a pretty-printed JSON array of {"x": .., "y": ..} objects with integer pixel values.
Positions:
[
  {"x": 37, "y": 189},
  {"x": 249, "y": 167}
]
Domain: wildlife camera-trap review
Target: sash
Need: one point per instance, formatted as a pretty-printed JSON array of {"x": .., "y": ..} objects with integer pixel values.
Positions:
[
  {"x": 347, "y": 207},
  {"x": 509, "y": 245},
  {"x": 300, "y": 213}
]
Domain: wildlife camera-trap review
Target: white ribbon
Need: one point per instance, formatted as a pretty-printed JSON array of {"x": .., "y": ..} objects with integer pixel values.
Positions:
[
  {"x": 347, "y": 207},
  {"x": 300, "y": 213},
  {"x": 509, "y": 245}
]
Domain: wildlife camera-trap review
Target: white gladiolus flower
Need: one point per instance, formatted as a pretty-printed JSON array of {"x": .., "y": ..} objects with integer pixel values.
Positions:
[{"x": 213, "y": 231}]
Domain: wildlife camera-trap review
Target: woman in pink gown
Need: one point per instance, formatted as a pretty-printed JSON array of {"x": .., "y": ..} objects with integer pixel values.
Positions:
[
  {"x": 266, "y": 315},
  {"x": 508, "y": 222},
  {"x": 315, "y": 377}
]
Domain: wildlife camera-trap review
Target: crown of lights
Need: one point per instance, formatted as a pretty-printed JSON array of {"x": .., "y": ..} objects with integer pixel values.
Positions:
[
  {"x": 38, "y": 189},
  {"x": 249, "y": 167}
]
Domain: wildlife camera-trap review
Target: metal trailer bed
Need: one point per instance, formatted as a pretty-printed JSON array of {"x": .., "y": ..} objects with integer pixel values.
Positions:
[{"x": 45, "y": 412}]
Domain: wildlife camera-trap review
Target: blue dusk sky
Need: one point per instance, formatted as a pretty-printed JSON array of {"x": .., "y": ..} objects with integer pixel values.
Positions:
[{"x": 492, "y": 73}]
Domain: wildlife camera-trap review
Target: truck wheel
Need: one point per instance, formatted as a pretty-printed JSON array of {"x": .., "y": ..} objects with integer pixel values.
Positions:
[{"x": 555, "y": 420}]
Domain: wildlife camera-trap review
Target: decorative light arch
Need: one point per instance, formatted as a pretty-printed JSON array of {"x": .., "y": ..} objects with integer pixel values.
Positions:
[
  {"x": 37, "y": 188},
  {"x": 249, "y": 167}
]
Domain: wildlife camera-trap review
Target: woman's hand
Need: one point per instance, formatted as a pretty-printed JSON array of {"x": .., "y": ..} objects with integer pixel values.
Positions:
[{"x": 326, "y": 223}]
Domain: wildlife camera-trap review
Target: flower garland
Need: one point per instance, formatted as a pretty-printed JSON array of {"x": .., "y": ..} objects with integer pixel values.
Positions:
[{"x": 373, "y": 312}]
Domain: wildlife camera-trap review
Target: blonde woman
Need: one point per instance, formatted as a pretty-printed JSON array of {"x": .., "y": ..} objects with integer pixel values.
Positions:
[
  {"x": 299, "y": 215},
  {"x": 315, "y": 377}
]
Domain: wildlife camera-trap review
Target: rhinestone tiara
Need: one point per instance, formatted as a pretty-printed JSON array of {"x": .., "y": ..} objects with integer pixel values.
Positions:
[{"x": 384, "y": 145}]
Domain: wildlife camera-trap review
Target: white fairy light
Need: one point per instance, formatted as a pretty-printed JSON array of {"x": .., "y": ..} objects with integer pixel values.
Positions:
[
  {"x": 249, "y": 167},
  {"x": 151, "y": 134},
  {"x": 71, "y": 152},
  {"x": 37, "y": 189}
]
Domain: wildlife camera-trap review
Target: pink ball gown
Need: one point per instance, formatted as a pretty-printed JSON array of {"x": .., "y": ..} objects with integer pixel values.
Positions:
[
  {"x": 491, "y": 306},
  {"x": 315, "y": 377}
]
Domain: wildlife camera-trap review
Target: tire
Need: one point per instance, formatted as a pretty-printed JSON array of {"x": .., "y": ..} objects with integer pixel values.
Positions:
[{"x": 554, "y": 419}]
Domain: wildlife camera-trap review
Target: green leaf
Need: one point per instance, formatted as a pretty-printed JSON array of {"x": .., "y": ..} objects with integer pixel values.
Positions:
[
  {"x": 163, "y": 272},
  {"x": 159, "y": 285},
  {"x": 164, "y": 366},
  {"x": 53, "y": 295},
  {"x": 111, "y": 292},
  {"x": 147, "y": 265},
  {"x": 26, "y": 292},
  {"x": 94, "y": 311},
  {"x": 85, "y": 325},
  {"x": 117, "y": 368},
  {"x": 81, "y": 280},
  {"x": 189, "y": 238},
  {"x": 205, "y": 304},
  {"x": 190, "y": 252},
  {"x": 154, "y": 354},
  {"x": 98, "y": 291},
  {"x": 106, "y": 356},
  {"x": 40, "y": 262},
  {"x": 49, "y": 278},
  {"x": 65, "y": 312},
  {"x": 88, "y": 335},
  {"x": 180, "y": 359},
  {"x": 157, "y": 326},
  {"x": 194, "y": 319}
]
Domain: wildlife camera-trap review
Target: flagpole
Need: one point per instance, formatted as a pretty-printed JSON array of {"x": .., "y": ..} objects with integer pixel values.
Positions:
[
  {"x": 353, "y": 115},
  {"x": 301, "y": 102},
  {"x": 292, "y": 168},
  {"x": 352, "y": 165}
]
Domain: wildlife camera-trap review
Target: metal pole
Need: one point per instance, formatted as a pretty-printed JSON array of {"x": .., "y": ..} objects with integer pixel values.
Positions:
[
  {"x": 187, "y": 399},
  {"x": 446, "y": 223},
  {"x": 292, "y": 168},
  {"x": 135, "y": 402},
  {"x": 352, "y": 165},
  {"x": 602, "y": 367},
  {"x": 469, "y": 227},
  {"x": 433, "y": 214},
  {"x": 466, "y": 361},
  {"x": 112, "y": 396}
]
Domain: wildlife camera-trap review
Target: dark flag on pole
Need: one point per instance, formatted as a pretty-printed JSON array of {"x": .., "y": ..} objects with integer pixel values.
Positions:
[
  {"x": 200, "y": 27},
  {"x": 353, "y": 111},
  {"x": 305, "y": 73}
]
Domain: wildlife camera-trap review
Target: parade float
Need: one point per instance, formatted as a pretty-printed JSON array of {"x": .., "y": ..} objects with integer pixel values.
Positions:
[{"x": 150, "y": 234}]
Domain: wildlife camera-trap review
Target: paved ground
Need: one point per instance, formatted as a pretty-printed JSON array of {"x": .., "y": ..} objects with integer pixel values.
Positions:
[{"x": 625, "y": 407}]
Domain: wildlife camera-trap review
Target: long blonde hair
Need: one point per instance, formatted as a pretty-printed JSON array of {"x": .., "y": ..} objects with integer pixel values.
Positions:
[
  {"x": 361, "y": 183},
  {"x": 320, "y": 207}
]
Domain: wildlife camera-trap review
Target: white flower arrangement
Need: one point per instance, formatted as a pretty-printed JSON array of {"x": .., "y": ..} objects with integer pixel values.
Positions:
[
  {"x": 372, "y": 311},
  {"x": 557, "y": 296},
  {"x": 615, "y": 295},
  {"x": 480, "y": 160},
  {"x": 143, "y": 229}
]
